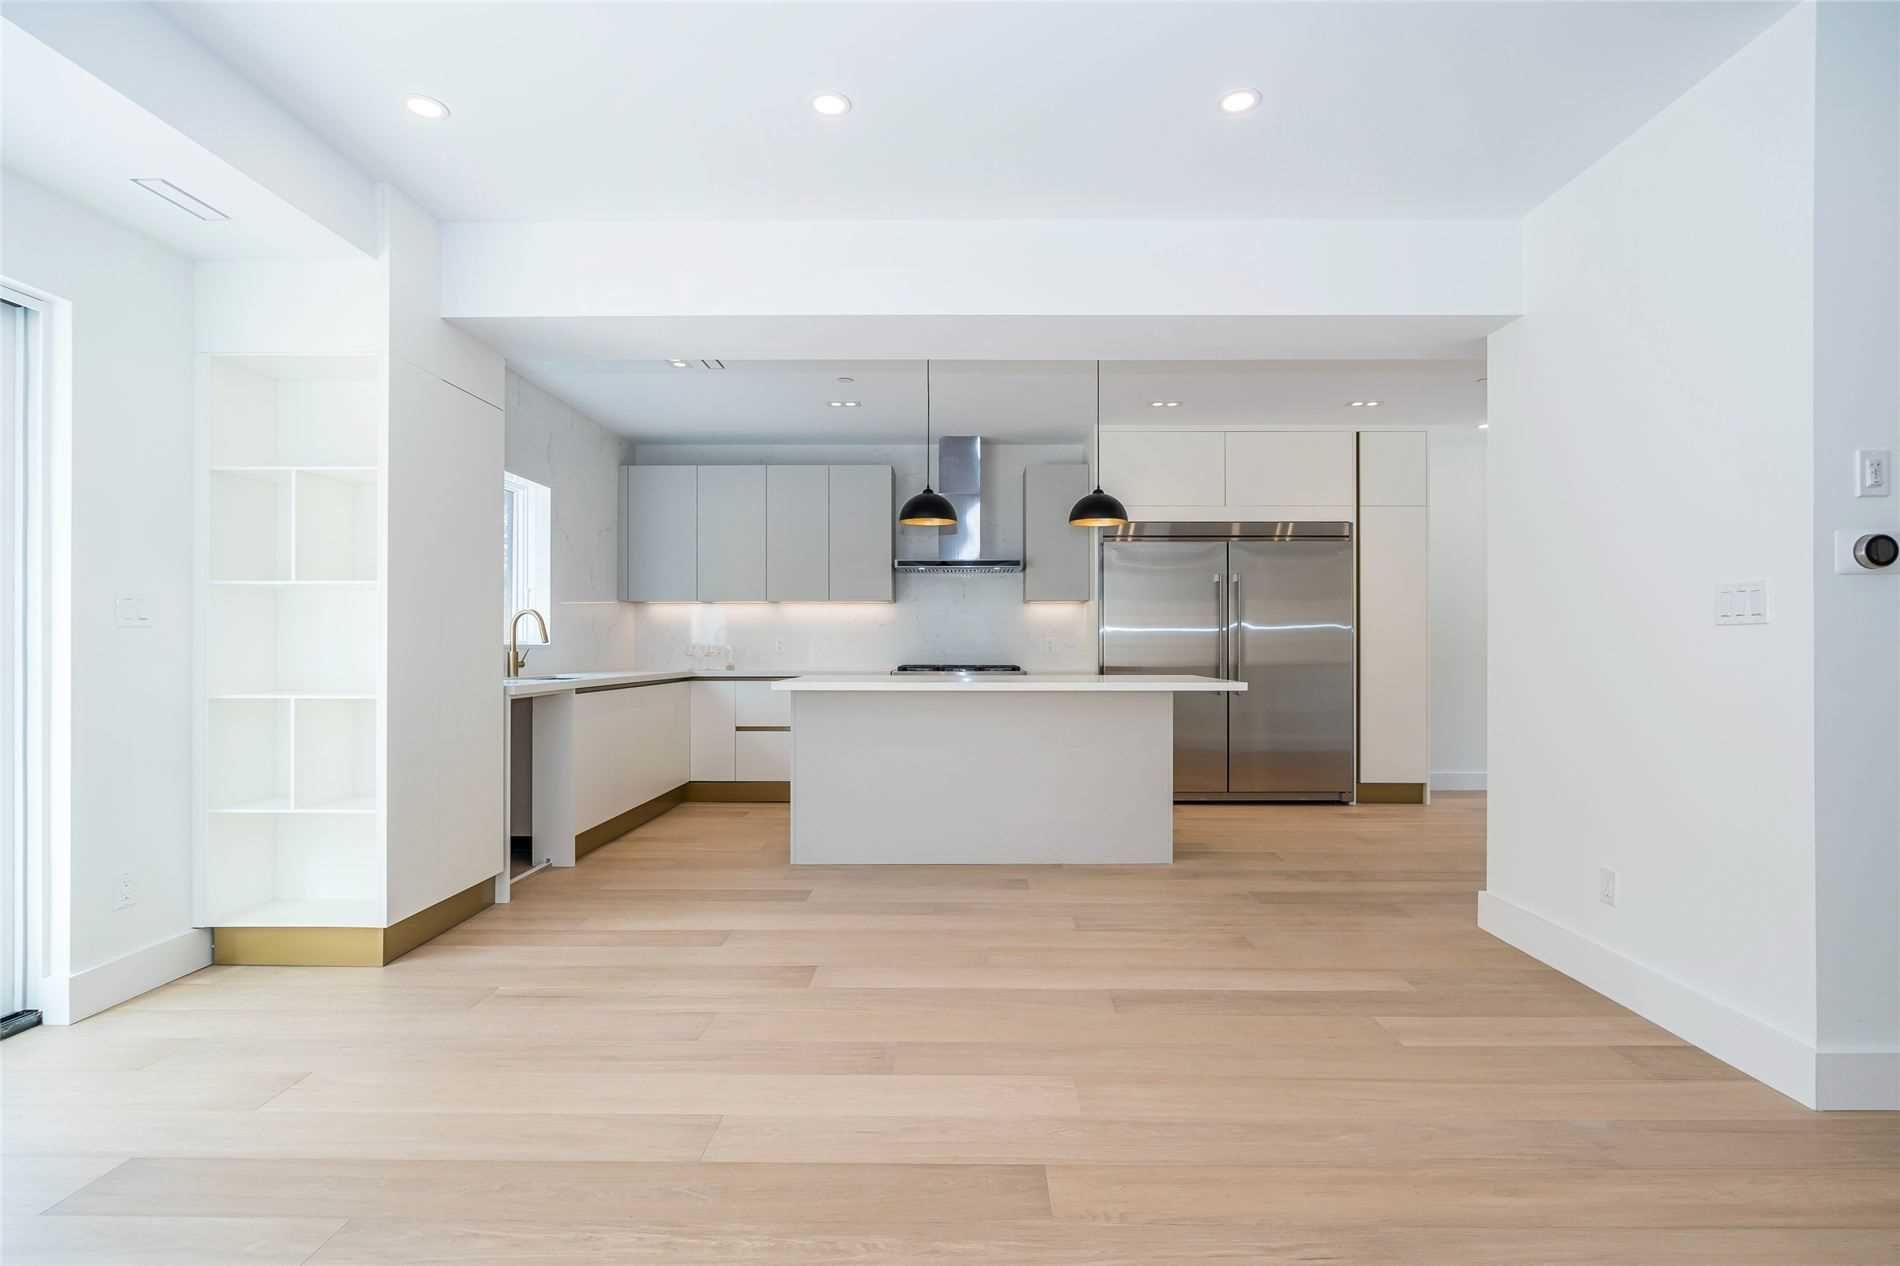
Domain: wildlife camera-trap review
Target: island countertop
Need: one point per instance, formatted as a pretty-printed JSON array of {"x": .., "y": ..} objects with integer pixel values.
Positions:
[{"x": 1008, "y": 683}]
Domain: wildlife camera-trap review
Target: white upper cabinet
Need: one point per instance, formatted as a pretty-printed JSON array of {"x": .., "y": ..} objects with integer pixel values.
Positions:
[
  {"x": 797, "y": 532},
  {"x": 861, "y": 526},
  {"x": 1239, "y": 475},
  {"x": 1056, "y": 556},
  {"x": 754, "y": 534},
  {"x": 1290, "y": 470},
  {"x": 1164, "y": 468},
  {"x": 1392, "y": 468},
  {"x": 731, "y": 550},
  {"x": 659, "y": 533}
]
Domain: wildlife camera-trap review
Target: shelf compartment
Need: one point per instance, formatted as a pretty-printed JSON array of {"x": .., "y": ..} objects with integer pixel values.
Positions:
[
  {"x": 295, "y": 410},
  {"x": 250, "y": 528},
  {"x": 247, "y": 752},
  {"x": 336, "y": 534},
  {"x": 335, "y": 748},
  {"x": 293, "y": 870},
  {"x": 293, "y": 639}
]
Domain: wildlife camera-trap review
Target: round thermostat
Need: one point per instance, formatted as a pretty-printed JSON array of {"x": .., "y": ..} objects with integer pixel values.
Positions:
[{"x": 1876, "y": 551}]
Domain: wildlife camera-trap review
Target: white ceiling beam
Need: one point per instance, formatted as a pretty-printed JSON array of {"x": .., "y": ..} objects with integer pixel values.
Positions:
[
  {"x": 137, "y": 52},
  {"x": 989, "y": 268}
]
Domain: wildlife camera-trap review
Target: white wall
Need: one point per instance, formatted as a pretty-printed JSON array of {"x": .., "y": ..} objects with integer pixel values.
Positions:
[
  {"x": 1652, "y": 436},
  {"x": 552, "y": 443},
  {"x": 132, "y": 475},
  {"x": 935, "y": 618},
  {"x": 1857, "y": 618},
  {"x": 1458, "y": 607},
  {"x": 443, "y": 800}
]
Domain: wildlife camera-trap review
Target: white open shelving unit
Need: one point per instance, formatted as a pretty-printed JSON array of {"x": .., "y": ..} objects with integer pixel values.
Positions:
[{"x": 293, "y": 642}]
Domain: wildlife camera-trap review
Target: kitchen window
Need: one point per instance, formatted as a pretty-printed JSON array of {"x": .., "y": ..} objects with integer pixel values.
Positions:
[{"x": 527, "y": 534}]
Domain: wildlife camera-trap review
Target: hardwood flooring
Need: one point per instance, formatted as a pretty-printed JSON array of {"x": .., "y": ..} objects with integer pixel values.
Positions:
[{"x": 1291, "y": 1046}]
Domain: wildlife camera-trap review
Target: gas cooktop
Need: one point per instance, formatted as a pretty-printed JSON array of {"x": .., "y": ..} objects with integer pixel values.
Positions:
[{"x": 956, "y": 668}]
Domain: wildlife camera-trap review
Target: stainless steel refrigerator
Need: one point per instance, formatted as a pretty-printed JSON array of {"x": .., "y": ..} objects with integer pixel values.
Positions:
[{"x": 1270, "y": 604}]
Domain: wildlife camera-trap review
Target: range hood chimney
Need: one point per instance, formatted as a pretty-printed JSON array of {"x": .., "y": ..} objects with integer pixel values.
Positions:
[{"x": 960, "y": 548}]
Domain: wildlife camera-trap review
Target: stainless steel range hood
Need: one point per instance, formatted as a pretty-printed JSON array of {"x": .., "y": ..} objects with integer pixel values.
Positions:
[{"x": 960, "y": 548}]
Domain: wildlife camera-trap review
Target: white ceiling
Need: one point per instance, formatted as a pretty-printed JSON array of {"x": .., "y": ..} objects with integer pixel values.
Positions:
[
  {"x": 998, "y": 110},
  {"x": 61, "y": 126},
  {"x": 1009, "y": 401}
]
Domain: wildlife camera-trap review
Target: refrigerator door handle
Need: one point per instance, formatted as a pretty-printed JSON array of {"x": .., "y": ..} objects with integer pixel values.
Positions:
[
  {"x": 1220, "y": 621},
  {"x": 1233, "y": 629}
]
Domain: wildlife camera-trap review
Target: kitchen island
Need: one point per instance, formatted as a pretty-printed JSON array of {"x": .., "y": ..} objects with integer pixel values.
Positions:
[{"x": 1020, "y": 768}]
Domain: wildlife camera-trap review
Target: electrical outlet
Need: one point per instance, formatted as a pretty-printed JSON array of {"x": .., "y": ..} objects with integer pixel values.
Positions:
[
  {"x": 1872, "y": 472},
  {"x": 127, "y": 895},
  {"x": 1606, "y": 886}
]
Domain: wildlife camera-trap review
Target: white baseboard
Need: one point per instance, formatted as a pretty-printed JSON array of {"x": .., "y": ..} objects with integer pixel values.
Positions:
[
  {"x": 72, "y": 999},
  {"x": 1857, "y": 1081},
  {"x": 1458, "y": 780},
  {"x": 1829, "y": 1080}
]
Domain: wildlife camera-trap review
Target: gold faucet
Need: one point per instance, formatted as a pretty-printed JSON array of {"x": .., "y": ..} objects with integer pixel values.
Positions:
[{"x": 518, "y": 658}]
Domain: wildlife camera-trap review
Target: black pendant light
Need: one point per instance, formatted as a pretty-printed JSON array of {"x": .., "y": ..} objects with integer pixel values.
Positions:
[
  {"x": 1098, "y": 509},
  {"x": 927, "y": 508}
]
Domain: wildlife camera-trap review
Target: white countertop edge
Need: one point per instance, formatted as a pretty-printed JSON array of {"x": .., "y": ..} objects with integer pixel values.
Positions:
[
  {"x": 1012, "y": 683},
  {"x": 530, "y": 686}
]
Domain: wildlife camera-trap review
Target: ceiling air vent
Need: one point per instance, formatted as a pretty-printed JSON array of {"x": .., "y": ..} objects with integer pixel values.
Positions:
[{"x": 193, "y": 206}]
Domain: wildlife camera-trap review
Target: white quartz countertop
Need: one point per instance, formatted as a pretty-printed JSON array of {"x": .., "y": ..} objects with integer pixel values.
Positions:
[
  {"x": 529, "y": 686},
  {"x": 1006, "y": 682}
]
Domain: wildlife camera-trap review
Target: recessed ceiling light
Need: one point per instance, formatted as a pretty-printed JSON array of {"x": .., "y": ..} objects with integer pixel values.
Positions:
[
  {"x": 1241, "y": 101},
  {"x": 1164, "y": 404},
  {"x": 425, "y": 107},
  {"x": 843, "y": 404},
  {"x": 1365, "y": 404},
  {"x": 1484, "y": 426},
  {"x": 831, "y": 104},
  {"x": 677, "y": 363}
]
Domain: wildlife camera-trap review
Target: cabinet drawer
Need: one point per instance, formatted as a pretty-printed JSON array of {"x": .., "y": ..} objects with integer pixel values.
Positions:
[
  {"x": 756, "y": 703},
  {"x": 763, "y": 755}
]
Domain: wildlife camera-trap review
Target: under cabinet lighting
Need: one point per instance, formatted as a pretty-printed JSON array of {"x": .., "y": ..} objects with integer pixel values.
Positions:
[
  {"x": 831, "y": 104},
  {"x": 1240, "y": 102}
]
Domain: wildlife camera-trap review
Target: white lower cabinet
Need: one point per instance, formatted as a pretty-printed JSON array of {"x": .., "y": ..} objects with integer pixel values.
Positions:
[
  {"x": 712, "y": 731},
  {"x": 627, "y": 749},
  {"x": 741, "y": 731},
  {"x": 763, "y": 755}
]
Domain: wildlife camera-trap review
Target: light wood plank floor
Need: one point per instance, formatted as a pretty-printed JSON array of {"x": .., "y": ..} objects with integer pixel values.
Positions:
[{"x": 1291, "y": 1046}]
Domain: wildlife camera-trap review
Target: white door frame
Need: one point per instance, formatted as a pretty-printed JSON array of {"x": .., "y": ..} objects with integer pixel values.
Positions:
[{"x": 45, "y": 658}]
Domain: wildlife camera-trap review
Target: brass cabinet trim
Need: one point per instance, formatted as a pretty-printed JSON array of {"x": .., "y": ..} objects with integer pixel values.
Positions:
[{"x": 348, "y": 947}]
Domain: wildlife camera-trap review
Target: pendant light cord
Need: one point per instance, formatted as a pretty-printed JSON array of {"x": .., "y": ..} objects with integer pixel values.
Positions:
[
  {"x": 926, "y": 424},
  {"x": 1098, "y": 426}
]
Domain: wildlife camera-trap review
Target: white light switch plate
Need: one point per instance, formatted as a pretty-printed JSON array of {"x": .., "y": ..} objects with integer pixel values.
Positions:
[
  {"x": 1873, "y": 472},
  {"x": 132, "y": 611},
  {"x": 1742, "y": 602}
]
